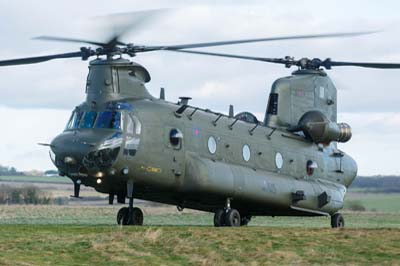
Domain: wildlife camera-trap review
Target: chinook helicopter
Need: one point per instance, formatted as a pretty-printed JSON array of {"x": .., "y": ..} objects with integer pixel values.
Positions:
[{"x": 126, "y": 143}]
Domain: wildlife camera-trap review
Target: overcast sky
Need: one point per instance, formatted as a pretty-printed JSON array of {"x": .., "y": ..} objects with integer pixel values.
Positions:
[{"x": 36, "y": 100}]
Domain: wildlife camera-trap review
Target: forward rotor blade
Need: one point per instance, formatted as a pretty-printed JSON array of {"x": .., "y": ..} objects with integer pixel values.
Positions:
[
  {"x": 367, "y": 65},
  {"x": 62, "y": 39},
  {"x": 298, "y": 37},
  {"x": 38, "y": 59},
  {"x": 120, "y": 24},
  {"x": 254, "y": 58}
]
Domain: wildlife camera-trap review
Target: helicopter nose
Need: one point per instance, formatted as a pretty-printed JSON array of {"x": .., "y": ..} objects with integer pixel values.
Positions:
[{"x": 72, "y": 147}]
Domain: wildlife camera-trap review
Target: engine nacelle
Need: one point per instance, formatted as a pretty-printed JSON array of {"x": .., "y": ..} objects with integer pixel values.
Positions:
[{"x": 318, "y": 128}]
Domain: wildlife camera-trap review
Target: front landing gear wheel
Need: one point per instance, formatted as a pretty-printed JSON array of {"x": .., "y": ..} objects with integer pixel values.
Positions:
[
  {"x": 137, "y": 216},
  {"x": 337, "y": 221},
  {"x": 123, "y": 216},
  {"x": 232, "y": 218},
  {"x": 219, "y": 218}
]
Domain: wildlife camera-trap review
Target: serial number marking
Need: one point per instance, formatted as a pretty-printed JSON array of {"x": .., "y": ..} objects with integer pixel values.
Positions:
[
  {"x": 269, "y": 187},
  {"x": 151, "y": 169}
]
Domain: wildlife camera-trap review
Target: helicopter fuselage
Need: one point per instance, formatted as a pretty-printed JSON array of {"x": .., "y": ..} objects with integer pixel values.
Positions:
[
  {"x": 207, "y": 163},
  {"x": 194, "y": 158}
]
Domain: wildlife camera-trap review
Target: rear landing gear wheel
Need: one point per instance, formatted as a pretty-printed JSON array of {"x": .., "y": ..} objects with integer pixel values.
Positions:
[
  {"x": 219, "y": 218},
  {"x": 337, "y": 221},
  {"x": 232, "y": 218},
  {"x": 123, "y": 216}
]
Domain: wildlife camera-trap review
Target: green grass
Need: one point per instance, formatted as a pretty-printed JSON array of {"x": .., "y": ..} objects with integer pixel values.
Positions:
[
  {"x": 169, "y": 245},
  {"x": 37, "y": 179}
]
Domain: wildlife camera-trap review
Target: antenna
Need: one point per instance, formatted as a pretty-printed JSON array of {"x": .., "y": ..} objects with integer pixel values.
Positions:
[
  {"x": 162, "y": 94},
  {"x": 231, "y": 112}
]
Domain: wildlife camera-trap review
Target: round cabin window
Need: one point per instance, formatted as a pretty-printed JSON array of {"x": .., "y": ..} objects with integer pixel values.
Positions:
[
  {"x": 278, "y": 160},
  {"x": 246, "y": 153},
  {"x": 311, "y": 166},
  {"x": 212, "y": 145},
  {"x": 175, "y": 137}
]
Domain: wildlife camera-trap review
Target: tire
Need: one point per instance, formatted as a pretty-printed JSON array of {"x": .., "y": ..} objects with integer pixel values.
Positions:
[
  {"x": 219, "y": 218},
  {"x": 122, "y": 216},
  {"x": 245, "y": 220},
  {"x": 337, "y": 221},
  {"x": 137, "y": 216},
  {"x": 232, "y": 218}
]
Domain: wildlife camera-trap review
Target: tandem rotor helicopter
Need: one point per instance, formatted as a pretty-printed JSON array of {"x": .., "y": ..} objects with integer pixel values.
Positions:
[{"x": 126, "y": 143}]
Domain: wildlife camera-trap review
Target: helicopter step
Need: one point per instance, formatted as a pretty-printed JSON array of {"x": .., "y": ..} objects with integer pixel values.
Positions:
[{"x": 130, "y": 215}]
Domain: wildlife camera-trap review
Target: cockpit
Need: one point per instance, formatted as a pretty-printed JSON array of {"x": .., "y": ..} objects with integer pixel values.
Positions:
[{"x": 94, "y": 137}]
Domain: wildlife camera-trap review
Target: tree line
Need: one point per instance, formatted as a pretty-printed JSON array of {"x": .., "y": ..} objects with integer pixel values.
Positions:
[
  {"x": 9, "y": 171},
  {"x": 390, "y": 184}
]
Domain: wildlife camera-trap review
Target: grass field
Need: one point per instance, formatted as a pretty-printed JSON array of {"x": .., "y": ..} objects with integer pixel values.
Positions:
[
  {"x": 77, "y": 234},
  {"x": 169, "y": 245},
  {"x": 88, "y": 235}
]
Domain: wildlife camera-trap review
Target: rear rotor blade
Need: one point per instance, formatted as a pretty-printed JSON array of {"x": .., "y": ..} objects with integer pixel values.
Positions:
[
  {"x": 39, "y": 59},
  {"x": 316, "y": 63},
  {"x": 367, "y": 65},
  {"x": 210, "y": 44}
]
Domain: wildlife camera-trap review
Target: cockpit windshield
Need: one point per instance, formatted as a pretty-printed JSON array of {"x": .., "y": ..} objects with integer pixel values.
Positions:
[
  {"x": 109, "y": 119},
  {"x": 91, "y": 119},
  {"x": 88, "y": 120}
]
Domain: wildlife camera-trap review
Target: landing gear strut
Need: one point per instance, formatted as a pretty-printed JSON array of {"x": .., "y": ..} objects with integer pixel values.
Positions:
[
  {"x": 130, "y": 215},
  {"x": 337, "y": 220}
]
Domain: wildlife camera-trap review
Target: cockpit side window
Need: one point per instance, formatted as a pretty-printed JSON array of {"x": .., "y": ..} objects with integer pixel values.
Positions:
[
  {"x": 133, "y": 130},
  {"x": 88, "y": 120},
  {"x": 109, "y": 119},
  {"x": 130, "y": 126},
  {"x": 75, "y": 119}
]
